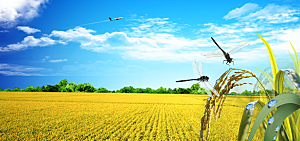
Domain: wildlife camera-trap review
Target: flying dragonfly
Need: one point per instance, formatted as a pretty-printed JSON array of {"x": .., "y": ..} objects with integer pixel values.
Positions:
[
  {"x": 233, "y": 50},
  {"x": 115, "y": 19},
  {"x": 201, "y": 78}
]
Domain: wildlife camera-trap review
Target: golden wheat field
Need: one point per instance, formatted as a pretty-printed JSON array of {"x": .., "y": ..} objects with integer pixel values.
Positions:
[{"x": 113, "y": 116}]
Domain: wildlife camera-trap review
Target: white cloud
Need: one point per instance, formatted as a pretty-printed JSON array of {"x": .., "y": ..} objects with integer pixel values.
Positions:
[
  {"x": 14, "y": 11},
  {"x": 46, "y": 57},
  {"x": 272, "y": 13},
  {"x": 56, "y": 61},
  {"x": 142, "y": 25},
  {"x": 238, "y": 12},
  {"x": 29, "y": 41},
  {"x": 20, "y": 70},
  {"x": 3, "y": 31},
  {"x": 28, "y": 30},
  {"x": 291, "y": 35},
  {"x": 10, "y": 73},
  {"x": 102, "y": 42}
]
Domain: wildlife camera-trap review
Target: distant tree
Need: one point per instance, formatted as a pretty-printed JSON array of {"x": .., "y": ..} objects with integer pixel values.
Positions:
[
  {"x": 129, "y": 89},
  {"x": 195, "y": 87},
  {"x": 70, "y": 87},
  {"x": 29, "y": 89},
  {"x": 63, "y": 82},
  {"x": 187, "y": 91},
  {"x": 255, "y": 92},
  {"x": 88, "y": 87},
  {"x": 233, "y": 93},
  {"x": 53, "y": 88},
  {"x": 200, "y": 91},
  {"x": 102, "y": 90},
  {"x": 246, "y": 92},
  {"x": 170, "y": 91},
  {"x": 79, "y": 88},
  {"x": 161, "y": 90},
  {"x": 148, "y": 90},
  {"x": 1, "y": 89},
  {"x": 38, "y": 89},
  {"x": 16, "y": 89},
  {"x": 175, "y": 91},
  {"x": 180, "y": 91},
  {"x": 138, "y": 90},
  {"x": 45, "y": 88},
  {"x": 8, "y": 90}
]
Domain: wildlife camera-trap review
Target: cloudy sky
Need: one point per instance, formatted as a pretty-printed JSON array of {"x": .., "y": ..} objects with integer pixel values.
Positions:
[{"x": 44, "y": 41}]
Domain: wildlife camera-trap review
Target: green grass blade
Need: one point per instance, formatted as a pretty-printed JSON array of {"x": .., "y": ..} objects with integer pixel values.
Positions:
[
  {"x": 281, "y": 100},
  {"x": 245, "y": 122},
  {"x": 287, "y": 108},
  {"x": 295, "y": 79},
  {"x": 271, "y": 56},
  {"x": 294, "y": 61},
  {"x": 279, "y": 82},
  {"x": 297, "y": 60}
]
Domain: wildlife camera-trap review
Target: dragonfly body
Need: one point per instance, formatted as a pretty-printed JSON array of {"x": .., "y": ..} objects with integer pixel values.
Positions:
[
  {"x": 201, "y": 78},
  {"x": 227, "y": 56},
  {"x": 224, "y": 53}
]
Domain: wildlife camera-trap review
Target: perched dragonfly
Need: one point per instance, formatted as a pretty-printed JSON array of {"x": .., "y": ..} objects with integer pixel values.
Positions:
[
  {"x": 201, "y": 78},
  {"x": 211, "y": 54}
]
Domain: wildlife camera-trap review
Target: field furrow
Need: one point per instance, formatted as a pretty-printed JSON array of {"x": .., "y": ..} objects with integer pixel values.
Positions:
[{"x": 94, "y": 116}]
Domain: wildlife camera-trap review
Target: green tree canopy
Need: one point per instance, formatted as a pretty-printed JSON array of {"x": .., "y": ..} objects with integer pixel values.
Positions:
[
  {"x": 195, "y": 87},
  {"x": 63, "y": 82}
]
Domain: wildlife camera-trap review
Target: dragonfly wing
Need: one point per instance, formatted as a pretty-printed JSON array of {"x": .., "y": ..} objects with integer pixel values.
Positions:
[
  {"x": 237, "y": 48},
  {"x": 209, "y": 86},
  {"x": 195, "y": 70},
  {"x": 200, "y": 68},
  {"x": 211, "y": 54},
  {"x": 207, "y": 91}
]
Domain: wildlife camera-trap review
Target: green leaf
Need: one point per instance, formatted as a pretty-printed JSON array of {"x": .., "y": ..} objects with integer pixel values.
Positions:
[
  {"x": 246, "y": 121},
  {"x": 283, "y": 99},
  {"x": 297, "y": 60},
  {"x": 271, "y": 56},
  {"x": 294, "y": 61}
]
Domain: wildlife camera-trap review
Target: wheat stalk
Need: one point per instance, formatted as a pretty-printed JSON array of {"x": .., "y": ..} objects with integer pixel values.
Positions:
[{"x": 231, "y": 83}]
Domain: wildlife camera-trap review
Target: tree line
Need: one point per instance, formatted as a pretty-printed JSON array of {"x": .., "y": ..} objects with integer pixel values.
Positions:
[{"x": 65, "y": 86}]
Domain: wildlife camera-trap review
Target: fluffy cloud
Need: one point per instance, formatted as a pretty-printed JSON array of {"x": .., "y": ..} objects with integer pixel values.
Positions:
[
  {"x": 101, "y": 42},
  {"x": 13, "y": 11},
  {"x": 56, "y": 61},
  {"x": 29, "y": 41},
  {"x": 272, "y": 13},
  {"x": 28, "y": 30},
  {"x": 238, "y": 12},
  {"x": 20, "y": 70},
  {"x": 3, "y": 31}
]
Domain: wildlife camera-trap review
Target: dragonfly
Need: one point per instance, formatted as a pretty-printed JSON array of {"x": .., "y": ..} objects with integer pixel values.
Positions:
[
  {"x": 228, "y": 60},
  {"x": 202, "y": 79}
]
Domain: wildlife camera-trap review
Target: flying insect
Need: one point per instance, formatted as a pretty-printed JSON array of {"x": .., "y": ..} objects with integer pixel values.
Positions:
[
  {"x": 228, "y": 60},
  {"x": 201, "y": 78},
  {"x": 115, "y": 19}
]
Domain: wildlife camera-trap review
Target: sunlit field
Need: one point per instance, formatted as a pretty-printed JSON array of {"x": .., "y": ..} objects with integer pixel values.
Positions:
[{"x": 116, "y": 116}]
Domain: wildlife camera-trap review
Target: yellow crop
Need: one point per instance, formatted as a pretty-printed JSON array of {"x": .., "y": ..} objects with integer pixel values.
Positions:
[{"x": 99, "y": 116}]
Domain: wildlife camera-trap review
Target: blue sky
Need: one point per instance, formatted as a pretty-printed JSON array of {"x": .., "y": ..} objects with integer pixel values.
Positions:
[{"x": 45, "y": 41}]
